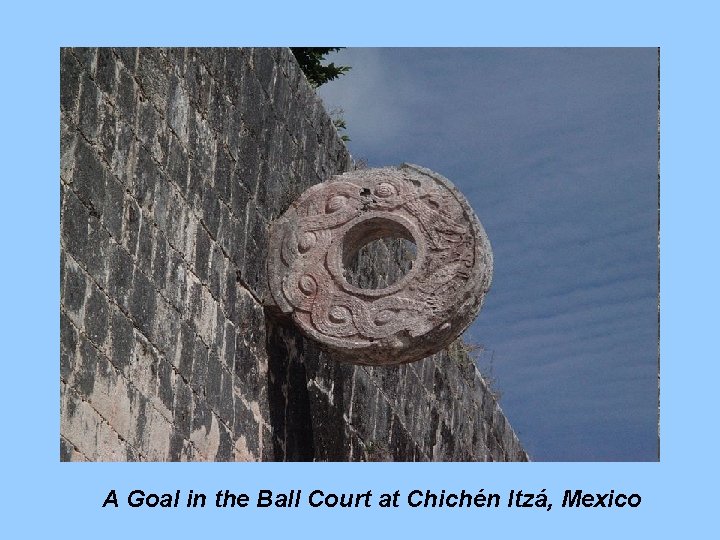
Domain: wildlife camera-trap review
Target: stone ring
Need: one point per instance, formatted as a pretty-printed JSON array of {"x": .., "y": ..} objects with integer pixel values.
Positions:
[{"x": 312, "y": 244}]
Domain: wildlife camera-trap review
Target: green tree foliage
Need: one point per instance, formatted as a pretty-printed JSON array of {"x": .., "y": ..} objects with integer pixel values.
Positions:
[{"x": 311, "y": 61}]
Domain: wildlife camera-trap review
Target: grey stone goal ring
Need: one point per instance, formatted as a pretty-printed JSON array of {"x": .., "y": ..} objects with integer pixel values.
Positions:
[{"x": 421, "y": 313}]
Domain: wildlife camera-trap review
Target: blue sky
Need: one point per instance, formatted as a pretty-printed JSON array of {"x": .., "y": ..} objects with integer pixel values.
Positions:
[{"x": 556, "y": 150}]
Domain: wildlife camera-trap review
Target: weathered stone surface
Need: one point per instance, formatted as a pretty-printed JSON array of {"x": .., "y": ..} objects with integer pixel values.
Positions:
[
  {"x": 166, "y": 352},
  {"x": 312, "y": 244}
]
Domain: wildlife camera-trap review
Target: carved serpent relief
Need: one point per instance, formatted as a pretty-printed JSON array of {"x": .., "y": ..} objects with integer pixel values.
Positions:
[{"x": 312, "y": 243}]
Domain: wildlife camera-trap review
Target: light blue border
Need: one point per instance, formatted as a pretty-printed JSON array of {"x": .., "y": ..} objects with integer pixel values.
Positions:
[{"x": 41, "y": 497}]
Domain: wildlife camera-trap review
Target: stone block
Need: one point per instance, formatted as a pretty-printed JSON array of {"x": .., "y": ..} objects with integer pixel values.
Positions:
[
  {"x": 213, "y": 382},
  {"x": 269, "y": 451},
  {"x": 89, "y": 118},
  {"x": 264, "y": 65},
  {"x": 121, "y": 339},
  {"x": 217, "y": 271},
  {"x": 166, "y": 384},
  {"x": 69, "y": 338},
  {"x": 68, "y": 141},
  {"x": 113, "y": 207},
  {"x": 245, "y": 426},
  {"x": 153, "y": 76},
  {"x": 176, "y": 282},
  {"x": 225, "y": 451},
  {"x": 152, "y": 131},
  {"x": 363, "y": 403},
  {"x": 177, "y": 446},
  {"x": 255, "y": 107},
  {"x": 226, "y": 401},
  {"x": 200, "y": 367},
  {"x": 202, "y": 254},
  {"x": 96, "y": 251},
  {"x": 83, "y": 379},
  {"x": 202, "y": 428},
  {"x": 131, "y": 225},
  {"x": 195, "y": 186},
  {"x": 160, "y": 262},
  {"x": 123, "y": 156},
  {"x": 197, "y": 82},
  {"x": 74, "y": 290},
  {"x": 105, "y": 70},
  {"x": 70, "y": 73},
  {"x": 74, "y": 225},
  {"x": 97, "y": 313},
  {"x": 126, "y": 96},
  {"x": 167, "y": 331},
  {"x": 178, "y": 110},
  {"x": 185, "y": 351},
  {"x": 206, "y": 322},
  {"x": 143, "y": 368},
  {"x": 256, "y": 253},
  {"x": 161, "y": 204},
  {"x": 67, "y": 451},
  {"x": 177, "y": 164},
  {"x": 87, "y": 57},
  {"x": 247, "y": 371},
  {"x": 142, "y": 302},
  {"x": 146, "y": 239},
  {"x": 128, "y": 57},
  {"x": 230, "y": 336},
  {"x": 121, "y": 275},
  {"x": 236, "y": 68},
  {"x": 219, "y": 111},
  {"x": 228, "y": 294},
  {"x": 211, "y": 212},
  {"x": 182, "y": 409},
  {"x": 146, "y": 175}
]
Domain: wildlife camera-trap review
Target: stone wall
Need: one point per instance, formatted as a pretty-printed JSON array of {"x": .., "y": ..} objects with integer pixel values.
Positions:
[{"x": 173, "y": 164}]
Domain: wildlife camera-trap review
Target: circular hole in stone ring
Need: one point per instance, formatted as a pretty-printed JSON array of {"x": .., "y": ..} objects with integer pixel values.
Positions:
[{"x": 376, "y": 254}]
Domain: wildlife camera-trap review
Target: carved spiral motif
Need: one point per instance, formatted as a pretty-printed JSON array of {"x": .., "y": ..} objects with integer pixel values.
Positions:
[{"x": 420, "y": 314}]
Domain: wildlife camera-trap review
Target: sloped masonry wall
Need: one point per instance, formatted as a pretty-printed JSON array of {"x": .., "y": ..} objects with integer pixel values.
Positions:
[{"x": 173, "y": 164}]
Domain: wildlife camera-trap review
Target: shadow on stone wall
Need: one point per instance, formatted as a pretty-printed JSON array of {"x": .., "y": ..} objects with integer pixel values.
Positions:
[
  {"x": 306, "y": 397},
  {"x": 288, "y": 398}
]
